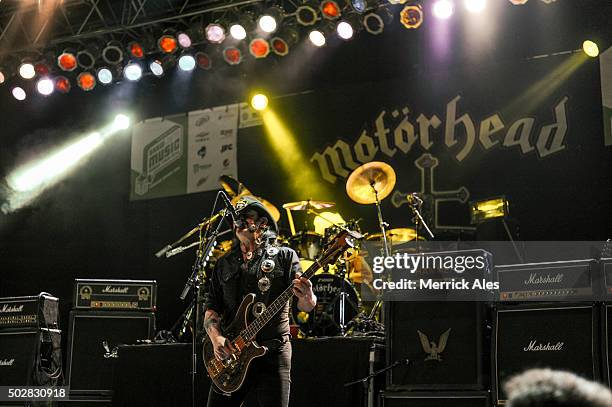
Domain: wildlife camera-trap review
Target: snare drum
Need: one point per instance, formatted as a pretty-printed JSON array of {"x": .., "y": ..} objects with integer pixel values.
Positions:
[
  {"x": 324, "y": 319},
  {"x": 307, "y": 244}
]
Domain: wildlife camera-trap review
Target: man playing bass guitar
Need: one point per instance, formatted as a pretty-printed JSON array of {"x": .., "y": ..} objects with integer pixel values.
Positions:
[{"x": 256, "y": 265}]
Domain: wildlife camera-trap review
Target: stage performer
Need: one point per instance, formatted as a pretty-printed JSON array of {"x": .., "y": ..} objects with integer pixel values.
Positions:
[{"x": 240, "y": 272}]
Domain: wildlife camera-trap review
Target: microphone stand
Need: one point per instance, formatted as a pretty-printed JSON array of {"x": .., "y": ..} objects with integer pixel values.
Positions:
[
  {"x": 194, "y": 282},
  {"x": 366, "y": 380}
]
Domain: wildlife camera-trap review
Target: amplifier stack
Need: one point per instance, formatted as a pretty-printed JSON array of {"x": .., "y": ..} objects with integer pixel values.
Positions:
[
  {"x": 30, "y": 341},
  {"x": 106, "y": 313}
]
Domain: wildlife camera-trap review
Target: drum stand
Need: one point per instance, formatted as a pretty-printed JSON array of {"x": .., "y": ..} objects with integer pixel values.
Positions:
[{"x": 386, "y": 251}]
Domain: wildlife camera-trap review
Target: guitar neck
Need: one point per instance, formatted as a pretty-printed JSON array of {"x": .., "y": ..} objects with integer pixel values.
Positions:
[{"x": 254, "y": 327}]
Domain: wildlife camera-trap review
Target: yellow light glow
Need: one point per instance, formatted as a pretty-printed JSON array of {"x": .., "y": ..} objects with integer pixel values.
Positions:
[
  {"x": 324, "y": 219},
  {"x": 590, "y": 48},
  {"x": 489, "y": 209},
  {"x": 302, "y": 178},
  {"x": 259, "y": 101}
]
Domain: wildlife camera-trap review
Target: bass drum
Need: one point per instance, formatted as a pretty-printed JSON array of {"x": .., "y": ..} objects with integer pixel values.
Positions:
[{"x": 324, "y": 319}]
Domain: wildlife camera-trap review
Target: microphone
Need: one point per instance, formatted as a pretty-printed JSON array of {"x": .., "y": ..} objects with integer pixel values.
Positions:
[
  {"x": 414, "y": 199},
  {"x": 229, "y": 206}
]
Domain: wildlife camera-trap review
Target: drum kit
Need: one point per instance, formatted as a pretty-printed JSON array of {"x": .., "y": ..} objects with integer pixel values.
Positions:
[{"x": 338, "y": 287}]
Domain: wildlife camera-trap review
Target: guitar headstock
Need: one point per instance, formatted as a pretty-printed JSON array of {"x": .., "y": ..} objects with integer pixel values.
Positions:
[{"x": 339, "y": 244}]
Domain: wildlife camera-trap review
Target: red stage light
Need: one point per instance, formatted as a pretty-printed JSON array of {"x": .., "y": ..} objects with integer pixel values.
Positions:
[
  {"x": 259, "y": 48},
  {"x": 62, "y": 84},
  {"x": 330, "y": 9},
  {"x": 136, "y": 50},
  {"x": 167, "y": 44},
  {"x": 203, "y": 60},
  {"x": 67, "y": 62},
  {"x": 279, "y": 46},
  {"x": 41, "y": 69},
  {"x": 86, "y": 81},
  {"x": 232, "y": 55}
]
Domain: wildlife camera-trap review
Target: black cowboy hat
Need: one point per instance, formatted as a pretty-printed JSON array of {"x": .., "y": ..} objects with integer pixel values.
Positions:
[{"x": 247, "y": 202}]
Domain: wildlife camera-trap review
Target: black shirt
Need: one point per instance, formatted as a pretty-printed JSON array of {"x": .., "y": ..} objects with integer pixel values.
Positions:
[{"x": 233, "y": 278}]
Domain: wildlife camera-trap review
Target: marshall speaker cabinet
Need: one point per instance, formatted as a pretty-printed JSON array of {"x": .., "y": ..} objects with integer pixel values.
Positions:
[
  {"x": 443, "y": 342},
  {"x": 557, "y": 336}
]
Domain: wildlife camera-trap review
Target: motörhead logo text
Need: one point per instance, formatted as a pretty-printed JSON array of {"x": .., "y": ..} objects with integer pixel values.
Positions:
[{"x": 459, "y": 134}]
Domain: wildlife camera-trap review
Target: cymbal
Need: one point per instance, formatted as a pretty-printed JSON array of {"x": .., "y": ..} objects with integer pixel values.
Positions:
[
  {"x": 309, "y": 204},
  {"x": 397, "y": 235},
  {"x": 268, "y": 205},
  {"x": 368, "y": 178}
]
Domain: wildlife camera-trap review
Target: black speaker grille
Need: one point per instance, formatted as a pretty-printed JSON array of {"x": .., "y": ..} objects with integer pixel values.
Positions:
[{"x": 559, "y": 337}]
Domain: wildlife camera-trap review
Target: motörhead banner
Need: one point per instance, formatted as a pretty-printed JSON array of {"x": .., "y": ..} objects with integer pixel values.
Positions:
[
  {"x": 183, "y": 154},
  {"x": 531, "y": 132}
]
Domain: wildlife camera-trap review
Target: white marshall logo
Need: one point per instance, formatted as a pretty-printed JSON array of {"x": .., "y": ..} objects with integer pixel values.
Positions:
[
  {"x": 11, "y": 308},
  {"x": 540, "y": 347},
  {"x": 115, "y": 290},
  {"x": 7, "y": 362},
  {"x": 547, "y": 279}
]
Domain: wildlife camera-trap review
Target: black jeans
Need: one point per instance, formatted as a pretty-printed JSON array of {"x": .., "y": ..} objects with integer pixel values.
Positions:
[{"x": 267, "y": 383}]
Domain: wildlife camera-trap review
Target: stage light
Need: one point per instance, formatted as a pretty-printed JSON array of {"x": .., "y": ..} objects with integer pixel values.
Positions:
[
  {"x": 105, "y": 76},
  {"x": 317, "y": 38},
  {"x": 374, "y": 22},
  {"x": 186, "y": 62},
  {"x": 306, "y": 14},
  {"x": 286, "y": 39},
  {"x": 45, "y": 86},
  {"x": 112, "y": 54},
  {"x": 330, "y": 9},
  {"x": 156, "y": 68},
  {"x": 41, "y": 69},
  {"x": 259, "y": 48},
  {"x": 443, "y": 9},
  {"x": 121, "y": 122},
  {"x": 475, "y": 6},
  {"x": 518, "y": 2},
  {"x": 345, "y": 30},
  {"x": 270, "y": 20},
  {"x": 67, "y": 61},
  {"x": 237, "y": 32},
  {"x": 215, "y": 33},
  {"x": 2, "y": 77},
  {"x": 86, "y": 81},
  {"x": 85, "y": 59},
  {"x": 259, "y": 101},
  {"x": 184, "y": 40},
  {"x": 26, "y": 70},
  {"x": 136, "y": 50},
  {"x": 132, "y": 71},
  {"x": 240, "y": 28},
  {"x": 167, "y": 44},
  {"x": 590, "y": 48},
  {"x": 232, "y": 55},
  {"x": 361, "y": 6},
  {"x": 203, "y": 60},
  {"x": 493, "y": 208},
  {"x": 62, "y": 84},
  {"x": 19, "y": 93},
  {"x": 411, "y": 16}
]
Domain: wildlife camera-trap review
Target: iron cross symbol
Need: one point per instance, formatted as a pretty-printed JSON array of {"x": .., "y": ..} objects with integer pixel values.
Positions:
[{"x": 426, "y": 164}]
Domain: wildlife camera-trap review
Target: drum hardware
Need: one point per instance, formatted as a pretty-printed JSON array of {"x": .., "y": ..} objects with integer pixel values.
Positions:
[
  {"x": 415, "y": 203},
  {"x": 301, "y": 206}
]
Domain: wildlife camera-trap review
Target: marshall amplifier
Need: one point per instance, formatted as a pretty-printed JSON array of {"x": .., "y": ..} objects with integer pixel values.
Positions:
[
  {"x": 30, "y": 357},
  {"x": 93, "y": 339},
  {"x": 605, "y": 264},
  {"x": 575, "y": 280},
  {"x": 444, "y": 342},
  {"x": 37, "y": 311},
  {"x": 136, "y": 295},
  {"x": 435, "y": 399},
  {"x": 562, "y": 336}
]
